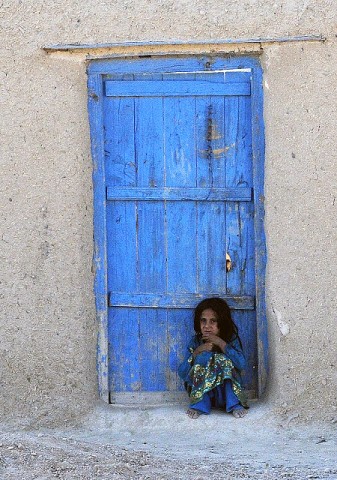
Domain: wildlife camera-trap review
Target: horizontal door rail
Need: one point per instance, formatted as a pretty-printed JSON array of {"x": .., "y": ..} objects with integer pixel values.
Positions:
[
  {"x": 167, "y": 300},
  {"x": 173, "y": 194},
  {"x": 162, "y": 88}
]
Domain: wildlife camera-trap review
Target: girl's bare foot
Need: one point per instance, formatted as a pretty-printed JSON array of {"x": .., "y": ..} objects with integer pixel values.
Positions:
[
  {"x": 193, "y": 413},
  {"x": 239, "y": 413}
]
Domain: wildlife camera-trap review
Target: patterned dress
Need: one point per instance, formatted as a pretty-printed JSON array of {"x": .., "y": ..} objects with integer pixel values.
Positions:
[{"x": 208, "y": 372}]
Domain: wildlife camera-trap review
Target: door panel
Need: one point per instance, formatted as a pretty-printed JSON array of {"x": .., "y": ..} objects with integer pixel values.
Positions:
[
  {"x": 149, "y": 142},
  {"x": 124, "y": 349},
  {"x": 181, "y": 251},
  {"x": 211, "y": 247},
  {"x": 154, "y": 347},
  {"x": 151, "y": 246},
  {"x": 181, "y": 145}
]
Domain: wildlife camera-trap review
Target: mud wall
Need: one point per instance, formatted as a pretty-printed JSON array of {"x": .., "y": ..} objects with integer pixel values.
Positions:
[{"x": 48, "y": 327}]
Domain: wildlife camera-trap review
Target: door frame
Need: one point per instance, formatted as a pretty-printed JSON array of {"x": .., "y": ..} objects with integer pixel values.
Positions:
[{"x": 170, "y": 63}]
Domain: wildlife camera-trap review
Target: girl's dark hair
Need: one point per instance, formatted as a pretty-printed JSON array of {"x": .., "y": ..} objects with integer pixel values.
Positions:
[{"x": 228, "y": 329}]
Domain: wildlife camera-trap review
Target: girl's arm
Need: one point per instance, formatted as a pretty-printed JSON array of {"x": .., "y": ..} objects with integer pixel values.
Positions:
[
  {"x": 234, "y": 352},
  {"x": 185, "y": 366}
]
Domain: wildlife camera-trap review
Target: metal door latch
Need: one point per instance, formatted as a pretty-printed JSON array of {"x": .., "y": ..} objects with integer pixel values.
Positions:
[{"x": 228, "y": 263}]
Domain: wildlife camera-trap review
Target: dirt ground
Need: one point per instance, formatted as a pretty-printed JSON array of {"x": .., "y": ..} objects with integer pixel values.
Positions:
[{"x": 163, "y": 443}]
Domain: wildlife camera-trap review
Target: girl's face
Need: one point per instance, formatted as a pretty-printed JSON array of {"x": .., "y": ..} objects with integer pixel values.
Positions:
[{"x": 209, "y": 323}]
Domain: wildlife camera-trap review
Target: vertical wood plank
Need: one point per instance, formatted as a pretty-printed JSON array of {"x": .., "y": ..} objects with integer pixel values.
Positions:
[
  {"x": 151, "y": 247},
  {"x": 122, "y": 251},
  {"x": 180, "y": 141},
  {"x": 258, "y": 145},
  {"x": 149, "y": 146},
  {"x": 181, "y": 247},
  {"x": 180, "y": 166},
  {"x": 245, "y": 157},
  {"x": 211, "y": 238},
  {"x": 119, "y": 145},
  {"x": 211, "y": 172},
  {"x": 149, "y": 152},
  {"x": 121, "y": 170},
  {"x": 96, "y": 118},
  {"x": 246, "y": 322},
  {"x": 154, "y": 349},
  {"x": 150, "y": 239},
  {"x": 210, "y": 143},
  {"x": 246, "y": 263},
  {"x": 240, "y": 225},
  {"x": 125, "y": 350},
  {"x": 238, "y": 216}
]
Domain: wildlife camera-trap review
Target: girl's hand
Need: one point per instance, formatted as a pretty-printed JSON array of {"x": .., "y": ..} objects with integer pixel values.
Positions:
[
  {"x": 215, "y": 340},
  {"x": 205, "y": 347}
]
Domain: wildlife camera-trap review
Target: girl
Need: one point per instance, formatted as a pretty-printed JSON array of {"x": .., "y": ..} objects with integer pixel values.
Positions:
[{"x": 211, "y": 369}]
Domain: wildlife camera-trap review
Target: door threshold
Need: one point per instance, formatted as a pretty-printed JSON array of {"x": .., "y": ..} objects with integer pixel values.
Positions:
[
  {"x": 147, "y": 399},
  {"x": 155, "y": 399}
]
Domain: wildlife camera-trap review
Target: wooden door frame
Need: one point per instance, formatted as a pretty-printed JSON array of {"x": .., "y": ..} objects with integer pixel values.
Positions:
[{"x": 187, "y": 63}]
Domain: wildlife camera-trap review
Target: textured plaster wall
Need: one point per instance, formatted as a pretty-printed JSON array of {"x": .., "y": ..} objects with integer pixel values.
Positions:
[
  {"x": 47, "y": 319},
  {"x": 301, "y": 190}
]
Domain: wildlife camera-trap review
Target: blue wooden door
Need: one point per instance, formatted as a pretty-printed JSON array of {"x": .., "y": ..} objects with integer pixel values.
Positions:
[{"x": 178, "y": 169}]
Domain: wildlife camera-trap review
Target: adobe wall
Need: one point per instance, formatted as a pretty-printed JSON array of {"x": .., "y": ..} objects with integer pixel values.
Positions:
[{"x": 47, "y": 320}]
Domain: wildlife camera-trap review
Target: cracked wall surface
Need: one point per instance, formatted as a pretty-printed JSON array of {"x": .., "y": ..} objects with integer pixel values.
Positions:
[{"x": 48, "y": 327}]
